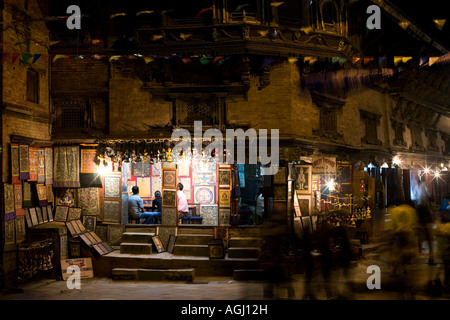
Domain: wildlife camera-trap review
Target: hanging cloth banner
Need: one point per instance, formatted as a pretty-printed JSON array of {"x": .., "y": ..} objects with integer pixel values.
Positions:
[
  {"x": 41, "y": 165},
  {"x": 33, "y": 159},
  {"x": 15, "y": 170},
  {"x": 24, "y": 164},
  {"x": 10, "y": 212},
  {"x": 89, "y": 176},
  {"x": 66, "y": 172},
  {"x": 42, "y": 194},
  {"x": 48, "y": 166},
  {"x": 27, "y": 202}
]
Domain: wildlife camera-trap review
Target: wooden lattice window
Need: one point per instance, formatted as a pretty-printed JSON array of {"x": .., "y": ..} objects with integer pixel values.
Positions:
[
  {"x": 72, "y": 117},
  {"x": 371, "y": 121}
]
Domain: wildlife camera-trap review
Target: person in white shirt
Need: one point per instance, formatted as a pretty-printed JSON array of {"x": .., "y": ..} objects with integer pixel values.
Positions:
[{"x": 183, "y": 208}]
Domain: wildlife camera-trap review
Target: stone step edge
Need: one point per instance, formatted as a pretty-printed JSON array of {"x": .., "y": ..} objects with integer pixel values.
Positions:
[
  {"x": 140, "y": 233},
  {"x": 135, "y": 244},
  {"x": 152, "y": 269}
]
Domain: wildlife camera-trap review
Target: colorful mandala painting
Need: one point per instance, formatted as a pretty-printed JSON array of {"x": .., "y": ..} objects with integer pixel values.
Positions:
[
  {"x": 169, "y": 178},
  {"x": 169, "y": 198},
  {"x": 204, "y": 194}
]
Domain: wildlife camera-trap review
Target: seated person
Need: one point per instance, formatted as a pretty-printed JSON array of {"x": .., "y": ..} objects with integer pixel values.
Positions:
[
  {"x": 136, "y": 207},
  {"x": 156, "y": 207},
  {"x": 183, "y": 207}
]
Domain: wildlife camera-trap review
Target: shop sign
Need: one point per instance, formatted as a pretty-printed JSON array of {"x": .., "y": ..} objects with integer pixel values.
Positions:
[
  {"x": 84, "y": 265},
  {"x": 323, "y": 165}
]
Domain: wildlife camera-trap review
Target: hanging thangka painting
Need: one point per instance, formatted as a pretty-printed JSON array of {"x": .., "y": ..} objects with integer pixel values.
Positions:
[
  {"x": 9, "y": 232},
  {"x": 169, "y": 179},
  {"x": 66, "y": 167},
  {"x": 65, "y": 197},
  {"x": 89, "y": 201},
  {"x": 144, "y": 185},
  {"x": 156, "y": 184},
  {"x": 112, "y": 186},
  {"x": 41, "y": 165},
  {"x": 169, "y": 198},
  {"x": 20, "y": 229},
  {"x": 203, "y": 173},
  {"x": 24, "y": 163},
  {"x": 27, "y": 194},
  {"x": 111, "y": 211},
  {"x": 15, "y": 171},
  {"x": 146, "y": 170},
  {"x": 209, "y": 213},
  {"x": 204, "y": 194},
  {"x": 88, "y": 164},
  {"x": 42, "y": 194},
  {"x": 224, "y": 178},
  {"x": 224, "y": 198},
  {"x": 33, "y": 160},
  {"x": 137, "y": 169},
  {"x": 156, "y": 169},
  {"x": 184, "y": 168},
  {"x": 49, "y": 193},
  {"x": 48, "y": 166},
  {"x": 18, "y": 196},
  {"x": 9, "y": 202}
]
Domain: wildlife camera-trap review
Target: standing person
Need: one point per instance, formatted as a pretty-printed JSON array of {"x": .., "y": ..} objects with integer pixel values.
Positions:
[
  {"x": 424, "y": 211},
  {"x": 183, "y": 208},
  {"x": 136, "y": 207},
  {"x": 259, "y": 210}
]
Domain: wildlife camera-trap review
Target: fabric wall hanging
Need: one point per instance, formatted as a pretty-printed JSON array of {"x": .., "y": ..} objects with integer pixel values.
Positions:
[
  {"x": 9, "y": 199},
  {"x": 41, "y": 165},
  {"x": 24, "y": 164},
  {"x": 33, "y": 160},
  {"x": 42, "y": 194},
  {"x": 15, "y": 170},
  {"x": 89, "y": 176},
  {"x": 48, "y": 166},
  {"x": 66, "y": 167}
]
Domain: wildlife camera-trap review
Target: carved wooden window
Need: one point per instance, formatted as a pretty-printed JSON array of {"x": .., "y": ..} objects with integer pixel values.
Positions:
[
  {"x": 371, "y": 121},
  {"x": 32, "y": 86},
  {"x": 72, "y": 117},
  {"x": 328, "y": 109}
]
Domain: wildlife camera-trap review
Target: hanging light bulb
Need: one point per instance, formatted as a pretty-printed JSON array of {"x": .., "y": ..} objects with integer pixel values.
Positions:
[{"x": 396, "y": 161}]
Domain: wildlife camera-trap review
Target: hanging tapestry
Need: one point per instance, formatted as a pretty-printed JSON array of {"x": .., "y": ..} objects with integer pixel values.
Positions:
[
  {"x": 65, "y": 197},
  {"x": 203, "y": 173},
  {"x": 66, "y": 167},
  {"x": 9, "y": 202},
  {"x": 144, "y": 185},
  {"x": 146, "y": 171},
  {"x": 137, "y": 169},
  {"x": 24, "y": 164},
  {"x": 204, "y": 194},
  {"x": 169, "y": 216},
  {"x": 42, "y": 194},
  {"x": 184, "y": 168},
  {"x": 111, "y": 211},
  {"x": 224, "y": 178},
  {"x": 15, "y": 170},
  {"x": 224, "y": 217},
  {"x": 209, "y": 213},
  {"x": 89, "y": 176},
  {"x": 27, "y": 202},
  {"x": 18, "y": 198},
  {"x": 115, "y": 234},
  {"x": 156, "y": 184},
  {"x": 112, "y": 186},
  {"x": 33, "y": 160},
  {"x": 169, "y": 198},
  {"x": 20, "y": 229},
  {"x": 74, "y": 214},
  {"x": 48, "y": 166},
  {"x": 49, "y": 193},
  {"x": 41, "y": 165},
  {"x": 169, "y": 178},
  {"x": 156, "y": 169},
  {"x": 89, "y": 201},
  {"x": 224, "y": 198},
  {"x": 20, "y": 212},
  {"x": 9, "y": 232}
]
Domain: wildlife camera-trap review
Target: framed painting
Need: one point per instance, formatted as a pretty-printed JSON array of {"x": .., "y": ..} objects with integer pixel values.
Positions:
[
  {"x": 307, "y": 225},
  {"x": 89, "y": 222},
  {"x": 169, "y": 216},
  {"x": 184, "y": 168},
  {"x": 224, "y": 178},
  {"x": 224, "y": 198},
  {"x": 304, "y": 202},
  {"x": 49, "y": 213},
  {"x": 302, "y": 178},
  {"x": 158, "y": 244},
  {"x": 9, "y": 198},
  {"x": 65, "y": 197},
  {"x": 224, "y": 216},
  {"x": 74, "y": 213},
  {"x": 112, "y": 186},
  {"x": 169, "y": 198},
  {"x": 156, "y": 169},
  {"x": 39, "y": 215},
  {"x": 45, "y": 214},
  {"x": 164, "y": 233},
  {"x": 33, "y": 216},
  {"x": 169, "y": 178},
  {"x": 28, "y": 218},
  {"x": 111, "y": 211},
  {"x": 204, "y": 173},
  {"x": 171, "y": 244},
  {"x": 204, "y": 194},
  {"x": 89, "y": 200},
  {"x": 115, "y": 234},
  {"x": 88, "y": 164},
  {"x": 146, "y": 171},
  {"x": 156, "y": 184},
  {"x": 18, "y": 199},
  {"x": 137, "y": 169},
  {"x": 61, "y": 213},
  {"x": 210, "y": 214},
  {"x": 144, "y": 184}
]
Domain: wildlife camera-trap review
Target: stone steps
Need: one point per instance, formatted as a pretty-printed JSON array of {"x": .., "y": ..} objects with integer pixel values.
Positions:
[
  {"x": 191, "y": 250},
  {"x": 136, "y": 248},
  {"x": 193, "y": 239},
  {"x": 137, "y": 237},
  {"x": 244, "y": 252},
  {"x": 246, "y": 242},
  {"x": 153, "y": 274}
]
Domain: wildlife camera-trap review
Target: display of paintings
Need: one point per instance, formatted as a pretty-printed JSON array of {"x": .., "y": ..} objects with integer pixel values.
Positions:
[
  {"x": 89, "y": 200},
  {"x": 26, "y": 193},
  {"x": 33, "y": 216},
  {"x": 171, "y": 243},
  {"x": 280, "y": 176},
  {"x": 304, "y": 202},
  {"x": 39, "y": 215},
  {"x": 169, "y": 198},
  {"x": 111, "y": 211},
  {"x": 224, "y": 198},
  {"x": 41, "y": 191},
  {"x": 137, "y": 169},
  {"x": 204, "y": 194},
  {"x": 156, "y": 169},
  {"x": 164, "y": 233},
  {"x": 48, "y": 166},
  {"x": 10, "y": 227},
  {"x": 169, "y": 178},
  {"x": 20, "y": 229},
  {"x": 224, "y": 178},
  {"x": 9, "y": 198},
  {"x": 33, "y": 155},
  {"x": 307, "y": 225},
  {"x": 112, "y": 186},
  {"x": 89, "y": 222},
  {"x": 344, "y": 173},
  {"x": 115, "y": 234},
  {"x": 241, "y": 175},
  {"x": 88, "y": 164},
  {"x": 144, "y": 185},
  {"x": 184, "y": 168},
  {"x": 49, "y": 213},
  {"x": 280, "y": 192},
  {"x": 74, "y": 213},
  {"x": 66, "y": 167},
  {"x": 41, "y": 165},
  {"x": 169, "y": 216},
  {"x": 28, "y": 218},
  {"x": 156, "y": 184},
  {"x": 210, "y": 215},
  {"x": 224, "y": 216},
  {"x": 65, "y": 197},
  {"x": 203, "y": 173},
  {"x": 102, "y": 231},
  {"x": 44, "y": 214},
  {"x": 50, "y": 193},
  {"x": 158, "y": 244},
  {"x": 302, "y": 178},
  {"x": 61, "y": 213},
  {"x": 18, "y": 196}
]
